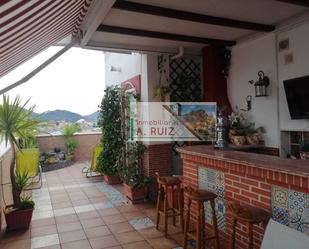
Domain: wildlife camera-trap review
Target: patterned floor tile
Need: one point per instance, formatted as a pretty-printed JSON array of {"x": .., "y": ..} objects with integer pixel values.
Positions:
[
  {"x": 220, "y": 191},
  {"x": 141, "y": 223},
  {"x": 221, "y": 222},
  {"x": 207, "y": 179},
  {"x": 220, "y": 179},
  {"x": 280, "y": 197},
  {"x": 103, "y": 205},
  {"x": 208, "y": 213},
  {"x": 280, "y": 215},
  {"x": 300, "y": 221},
  {"x": 118, "y": 200},
  {"x": 220, "y": 206},
  {"x": 298, "y": 202},
  {"x": 213, "y": 180}
]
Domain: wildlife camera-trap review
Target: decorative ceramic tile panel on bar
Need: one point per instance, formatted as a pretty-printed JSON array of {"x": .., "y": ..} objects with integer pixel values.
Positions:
[
  {"x": 213, "y": 180},
  {"x": 291, "y": 208}
]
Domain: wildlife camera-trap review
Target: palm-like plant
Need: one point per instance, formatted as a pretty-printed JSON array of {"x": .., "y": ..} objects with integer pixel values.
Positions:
[
  {"x": 68, "y": 131},
  {"x": 15, "y": 122}
]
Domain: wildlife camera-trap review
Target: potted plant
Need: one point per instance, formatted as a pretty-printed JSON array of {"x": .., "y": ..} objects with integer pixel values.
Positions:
[
  {"x": 135, "y": 184},
  {"x": 237, "y": 133},
  {"x": 304, "y": 150},
  {"x": 243, "y": 131},
  {"x": 18, "y": 218},
  {"x": 15, "y": 122},
  {"x": 110, "y": 123},
  {"x": 160, "y": 92},
  {"x": 71, "y": 144}
]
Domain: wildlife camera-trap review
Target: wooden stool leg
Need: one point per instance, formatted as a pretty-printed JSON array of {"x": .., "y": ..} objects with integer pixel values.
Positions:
[
  {"x": 203, "y": 223},
  {"x": 165, "y": 212},
  {"x": 158, "y": 207},
  {"x": 250, "y": 235},
  {"x": 187, "y": 224},
  {"x": 234, "y": 224},
  {"x": 180, "y": 208},
  {"x": 198, "y": 227},
  {"x": 214, "y": 222},
  {"x": 173, "y": 207}
]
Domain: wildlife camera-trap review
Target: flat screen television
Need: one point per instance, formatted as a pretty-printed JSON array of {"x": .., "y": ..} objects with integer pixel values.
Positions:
[{"x": 297, "y": 95}]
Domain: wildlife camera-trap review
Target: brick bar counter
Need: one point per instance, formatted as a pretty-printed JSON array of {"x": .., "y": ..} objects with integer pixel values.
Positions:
[{"x": 277, "y": 185}]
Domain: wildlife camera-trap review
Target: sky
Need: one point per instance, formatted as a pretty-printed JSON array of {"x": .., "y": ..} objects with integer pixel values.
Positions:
[{"x": 74, "y": 82}]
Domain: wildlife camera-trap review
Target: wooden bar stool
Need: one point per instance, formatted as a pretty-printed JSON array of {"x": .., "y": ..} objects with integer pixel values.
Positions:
[
  {"x": 248, "y": 215},
  {"x": 200, "y": 196},
  {"x": 166, "y": 184}
]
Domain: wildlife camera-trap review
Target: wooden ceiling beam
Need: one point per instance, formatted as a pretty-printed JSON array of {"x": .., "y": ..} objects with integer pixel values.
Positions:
[
  {"x": 164, "y": 36},
  {"x": 303, "y": 3},
  {"x": 190, "y": 16}
]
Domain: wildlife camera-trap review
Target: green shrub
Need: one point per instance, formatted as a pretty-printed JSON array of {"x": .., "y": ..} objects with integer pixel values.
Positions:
[
  {"x": 110, "y": 124},
  {"x": 22, "y": 180},
  {"x": 71, "y": 145},
  {"x": 26, "y": 202}
]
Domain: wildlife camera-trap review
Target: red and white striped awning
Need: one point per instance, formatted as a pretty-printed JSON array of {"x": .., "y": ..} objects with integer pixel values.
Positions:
[{"x": 29, "y": 26}]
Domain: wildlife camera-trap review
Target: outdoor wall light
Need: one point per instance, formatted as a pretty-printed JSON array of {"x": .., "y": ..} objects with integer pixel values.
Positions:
[
  {"x": 115, "y": 69},
  {"x": 261, "y": 85}
]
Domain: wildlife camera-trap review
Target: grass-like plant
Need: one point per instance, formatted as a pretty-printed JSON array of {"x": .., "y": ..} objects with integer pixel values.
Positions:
[
  {"x": 70, "y": 129},
  {"x": 71, "y": 145},
  {"x": 16, "y": 120},
  {"x": 26, "y": 202}
]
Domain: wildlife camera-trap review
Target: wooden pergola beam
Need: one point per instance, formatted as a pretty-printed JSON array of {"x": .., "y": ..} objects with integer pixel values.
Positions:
[
  {"x": 164, "y": 36},
  {"x": 303, "y": 3},
  {"x": 189, "y": 16}
]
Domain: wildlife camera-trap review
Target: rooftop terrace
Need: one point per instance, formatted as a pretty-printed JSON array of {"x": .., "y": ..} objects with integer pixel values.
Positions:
[{"x": 73, "y": 211}]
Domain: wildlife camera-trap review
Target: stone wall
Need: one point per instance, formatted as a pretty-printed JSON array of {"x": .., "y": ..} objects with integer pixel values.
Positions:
[{"x": 86, "y": 143}]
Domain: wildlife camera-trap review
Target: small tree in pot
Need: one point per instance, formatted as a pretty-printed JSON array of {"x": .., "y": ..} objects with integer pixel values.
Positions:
[
  {"x": 112, "y": 142},
  {"x": 15, "y": 123}
]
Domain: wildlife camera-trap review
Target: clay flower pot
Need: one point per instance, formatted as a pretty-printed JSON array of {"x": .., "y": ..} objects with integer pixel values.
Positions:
[
  {"x": 238, "y": 140},
  {"x": 304, "y": 155},
  {"x": 111, "y": 179},
  {"x": 254, "y": 139},
  {"x": 17, "y": 219},
  {"x": 136, "y": 194}
]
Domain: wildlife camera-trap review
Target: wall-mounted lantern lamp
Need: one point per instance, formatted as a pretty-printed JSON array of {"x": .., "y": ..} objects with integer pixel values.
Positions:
[
  {"x": 261, "y": 85},
  {"x": 115, "y": 69}
]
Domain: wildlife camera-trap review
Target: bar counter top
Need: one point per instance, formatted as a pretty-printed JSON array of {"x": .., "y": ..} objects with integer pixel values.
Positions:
[{"x": 289, "y": 166}]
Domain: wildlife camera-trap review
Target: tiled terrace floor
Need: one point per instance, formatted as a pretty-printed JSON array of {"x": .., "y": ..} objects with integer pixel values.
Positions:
[{"x": 75, "y": 212}]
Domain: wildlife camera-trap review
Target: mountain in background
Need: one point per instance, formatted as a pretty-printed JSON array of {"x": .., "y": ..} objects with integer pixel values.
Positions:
[
  {"x": 92, "y": 117},
  {"x": 63, "y": 115}
]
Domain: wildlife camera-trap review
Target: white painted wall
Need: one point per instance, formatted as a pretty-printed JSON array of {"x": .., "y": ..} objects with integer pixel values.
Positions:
[
  {"x": 299, "y": 47},
  {"x": 260, "y": 54},
  {"x": 129, "y": 64},
  {"x": 247, "y": 59}
]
